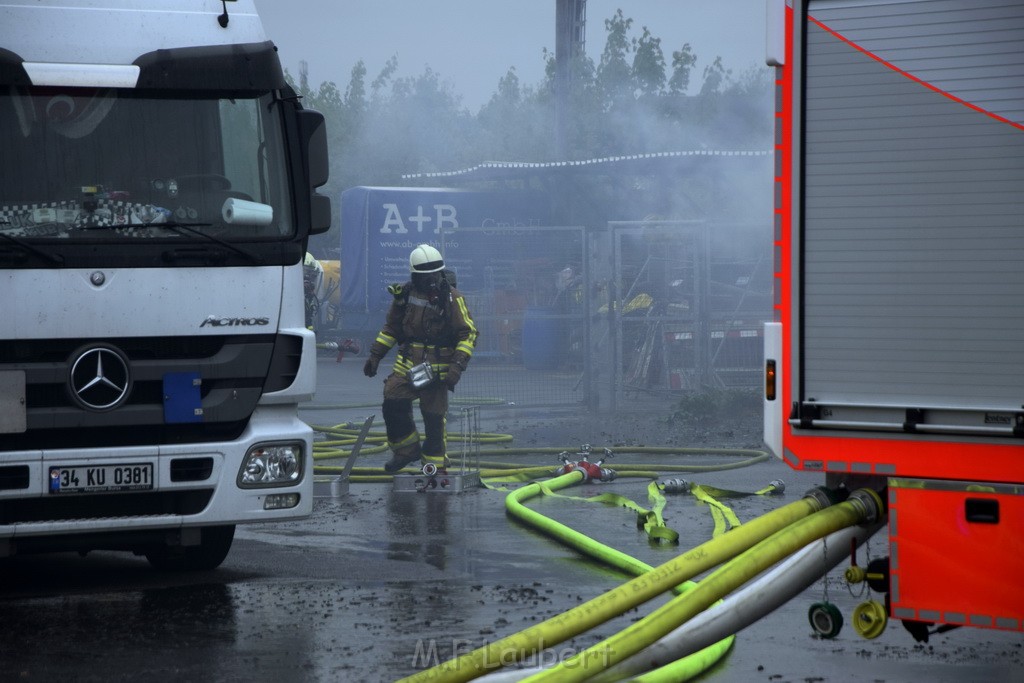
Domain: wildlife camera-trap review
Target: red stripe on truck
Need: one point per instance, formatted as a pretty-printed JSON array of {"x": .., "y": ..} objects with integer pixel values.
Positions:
[{"x": 911, "y": 76}]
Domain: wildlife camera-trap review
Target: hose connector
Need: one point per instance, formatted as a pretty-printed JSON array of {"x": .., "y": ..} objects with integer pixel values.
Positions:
[
  {"x": 565, "y": 469},
  {"x": 822, "y": 496},
  {"x": 590, "y": 470},
  {"x": 675, "y": 486},
  {"x": 870, "y": 619},
  {"x": 870, "y": 503},
  {"x": 778, "y": 486}
]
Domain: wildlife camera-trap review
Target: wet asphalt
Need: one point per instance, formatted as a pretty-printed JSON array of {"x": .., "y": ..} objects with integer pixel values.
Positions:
[{"x": 379, "y": 584}]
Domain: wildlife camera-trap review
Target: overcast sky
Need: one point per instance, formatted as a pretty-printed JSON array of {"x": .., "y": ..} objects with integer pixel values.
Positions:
[{"x": 472, "y": 43}]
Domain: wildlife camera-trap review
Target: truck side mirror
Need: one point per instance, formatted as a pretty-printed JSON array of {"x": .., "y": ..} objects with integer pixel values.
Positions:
[
  {"x": 314, "y": 143},
  {"x": 313, "y": 133}
]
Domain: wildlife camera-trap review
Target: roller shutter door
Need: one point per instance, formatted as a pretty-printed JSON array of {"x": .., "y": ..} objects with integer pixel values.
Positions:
[{"x": 913, "y": 206}]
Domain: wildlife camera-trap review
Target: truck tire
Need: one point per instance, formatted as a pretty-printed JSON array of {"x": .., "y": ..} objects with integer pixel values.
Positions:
[{"x": 211, "y": 551}]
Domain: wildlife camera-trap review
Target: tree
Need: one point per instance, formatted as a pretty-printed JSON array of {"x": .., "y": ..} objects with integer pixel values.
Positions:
[
  {"x": 323, "y": 99},
  {"x": 614, "y": 74},
  {"x": 384, "y": 77},
  {"x": 355, "y": 104},
  {"x": 621, "y": 105},
  {"x": 648, "y": 72},
  {"x": 715, "y": 78},
  {"x": 682, "y": 62},
  {"x": 515, "y": 123}
]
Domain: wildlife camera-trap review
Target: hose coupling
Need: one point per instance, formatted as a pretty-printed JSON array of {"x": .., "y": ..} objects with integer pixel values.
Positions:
[
  {"x": 675, "y": 486},
  {"x": 778, "y": 485},
  {"x": 870, "y": 503},
  {"x": 822, "y": 496},
  {"x": 573, "y": 467},
  {"x": 855, "y": 574},
  {"x": 870, "y": 619}
]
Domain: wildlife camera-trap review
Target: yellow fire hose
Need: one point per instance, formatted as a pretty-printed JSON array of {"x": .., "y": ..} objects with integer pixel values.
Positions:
[
  {"x": 696, "y": 662},
  {"x": 863, "y": 505},
  {"x": 637, "y": 591},
  {"x": 687, "y": 665},
  {"x": 496, "y": 472}
]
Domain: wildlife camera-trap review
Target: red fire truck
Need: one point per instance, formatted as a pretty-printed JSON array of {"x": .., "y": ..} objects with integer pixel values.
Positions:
[{"x": 896, "y": 354}]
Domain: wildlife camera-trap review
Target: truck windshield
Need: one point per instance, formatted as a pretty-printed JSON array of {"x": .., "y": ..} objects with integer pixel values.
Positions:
[{"x": 74, "y": 160}]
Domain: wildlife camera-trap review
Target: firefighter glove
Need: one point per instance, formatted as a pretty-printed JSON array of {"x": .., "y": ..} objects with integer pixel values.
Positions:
[{"x": 370, "y": 367}]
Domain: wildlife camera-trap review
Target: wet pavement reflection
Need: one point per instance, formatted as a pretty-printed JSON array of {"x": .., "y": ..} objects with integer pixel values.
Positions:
[{"x": 379, "y": 584}]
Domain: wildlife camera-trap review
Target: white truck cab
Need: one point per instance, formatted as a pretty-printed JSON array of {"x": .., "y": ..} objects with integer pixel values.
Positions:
[{"x": 157, "y": 192}]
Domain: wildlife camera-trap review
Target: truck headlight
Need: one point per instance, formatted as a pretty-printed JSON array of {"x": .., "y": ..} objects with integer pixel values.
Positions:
[{"x": 271, "y": 464}]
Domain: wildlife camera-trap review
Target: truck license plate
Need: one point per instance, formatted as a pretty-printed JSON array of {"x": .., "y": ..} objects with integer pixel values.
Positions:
[{"x": 101, "y": 478}]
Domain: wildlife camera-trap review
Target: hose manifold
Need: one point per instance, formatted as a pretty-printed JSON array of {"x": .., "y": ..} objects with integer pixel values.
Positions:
[{"x": 590, "y": 470}]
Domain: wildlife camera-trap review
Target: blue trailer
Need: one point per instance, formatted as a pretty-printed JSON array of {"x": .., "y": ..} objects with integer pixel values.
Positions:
[{"x": 484, "y": 236}]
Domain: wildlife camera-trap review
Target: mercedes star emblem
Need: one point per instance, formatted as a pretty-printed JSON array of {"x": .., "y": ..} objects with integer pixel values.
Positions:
[{"x": 99, "y": 379}]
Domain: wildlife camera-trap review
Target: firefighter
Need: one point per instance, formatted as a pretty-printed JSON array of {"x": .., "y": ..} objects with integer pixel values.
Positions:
[
  {"x": 429, "y": 323},
  {"x": 313, "y": 289}
]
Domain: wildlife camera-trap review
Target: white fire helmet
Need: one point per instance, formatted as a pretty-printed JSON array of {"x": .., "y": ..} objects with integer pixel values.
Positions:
[{"x": 425, "y": 259}]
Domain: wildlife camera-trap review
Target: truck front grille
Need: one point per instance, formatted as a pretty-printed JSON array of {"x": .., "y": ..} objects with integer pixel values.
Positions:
[{"x": 235, "y": 370}]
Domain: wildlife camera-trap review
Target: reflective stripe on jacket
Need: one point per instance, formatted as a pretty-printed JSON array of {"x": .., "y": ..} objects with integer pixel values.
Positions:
[{"x": 440, "y": 333}]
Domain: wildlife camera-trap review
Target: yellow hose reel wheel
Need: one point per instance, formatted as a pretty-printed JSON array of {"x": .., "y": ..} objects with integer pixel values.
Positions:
[{"x": 870, "y": 619}]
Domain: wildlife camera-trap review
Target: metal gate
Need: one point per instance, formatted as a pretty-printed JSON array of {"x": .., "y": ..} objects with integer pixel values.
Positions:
[{"x": 686, "y": 305}]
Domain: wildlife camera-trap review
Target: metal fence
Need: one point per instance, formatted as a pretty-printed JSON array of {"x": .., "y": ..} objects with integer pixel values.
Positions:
[
  {"x": 527, "y": 297},
  {"x": 574, "y": 317},
  {"x": 688, "y": 302}
]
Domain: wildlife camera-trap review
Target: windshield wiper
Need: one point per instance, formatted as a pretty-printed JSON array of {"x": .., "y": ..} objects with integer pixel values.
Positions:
[
  {"x": 190, "y": 229},
  {"x": 55, "y": 259}
]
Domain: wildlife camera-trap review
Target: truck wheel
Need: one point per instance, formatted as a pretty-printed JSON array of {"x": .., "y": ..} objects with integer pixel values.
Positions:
[{"x": 211, "y": 551}]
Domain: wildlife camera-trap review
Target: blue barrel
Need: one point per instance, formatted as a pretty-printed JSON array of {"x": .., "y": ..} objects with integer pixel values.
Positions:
[{"x": 543, "y": 338}]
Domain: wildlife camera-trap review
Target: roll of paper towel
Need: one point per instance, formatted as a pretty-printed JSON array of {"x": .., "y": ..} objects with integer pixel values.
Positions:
[{"x": 242, "y": 211}]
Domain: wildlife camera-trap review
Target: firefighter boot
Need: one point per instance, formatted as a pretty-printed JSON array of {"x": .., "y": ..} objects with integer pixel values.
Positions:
[
  {"x": 398, "y": 461},
  {"x": 436, "y": 440},
  {"x": 403, "y": 439},
  {"x": 403, "y": 453}
]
